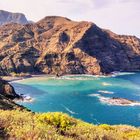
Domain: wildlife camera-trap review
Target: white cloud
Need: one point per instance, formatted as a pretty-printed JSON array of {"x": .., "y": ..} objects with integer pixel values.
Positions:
[{"x": 121, "y": 16}]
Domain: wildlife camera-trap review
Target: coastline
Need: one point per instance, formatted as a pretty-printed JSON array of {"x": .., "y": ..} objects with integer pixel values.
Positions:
[
  {"x": 112, "y": 74},
  {"x": 50, "y": 86},
  {"x": 109, "y": 101},
  {"x": 17, "y": 78}
]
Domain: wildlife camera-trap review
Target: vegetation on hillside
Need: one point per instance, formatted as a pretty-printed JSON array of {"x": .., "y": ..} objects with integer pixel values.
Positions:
[{"x": 25, "y": 125}]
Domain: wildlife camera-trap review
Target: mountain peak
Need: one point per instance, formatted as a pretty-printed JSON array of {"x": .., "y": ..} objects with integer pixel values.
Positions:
[
  {"x": 56, "y": 17},
  {"x": 9, "y": 17}
]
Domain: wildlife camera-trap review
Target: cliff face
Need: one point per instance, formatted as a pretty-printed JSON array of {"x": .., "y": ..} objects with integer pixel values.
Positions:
[
  {"x": 7, "y": 94},
  {"x": 57, "y": 45},
  {"x": 8, "y": 17},
  {"x": 7, "y": 90}
]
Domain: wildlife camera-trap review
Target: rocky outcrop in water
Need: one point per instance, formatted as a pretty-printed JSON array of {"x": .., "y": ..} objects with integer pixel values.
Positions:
[
  {"x": 8, "y": 17},
  {"x": 119, "y": 101},
  {"x": 57, "y": 45}
]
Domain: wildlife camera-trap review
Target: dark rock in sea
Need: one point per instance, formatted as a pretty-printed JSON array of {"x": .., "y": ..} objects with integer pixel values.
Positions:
[
  {"x": 119, "y": 101},
  {"x": 57, "y": 45}
]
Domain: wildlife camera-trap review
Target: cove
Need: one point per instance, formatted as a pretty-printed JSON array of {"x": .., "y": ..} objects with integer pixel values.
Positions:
[{"x": 78, "y": 95}]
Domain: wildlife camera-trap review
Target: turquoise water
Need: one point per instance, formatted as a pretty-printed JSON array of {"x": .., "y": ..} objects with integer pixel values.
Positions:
[{"x": 77, "y": 96}]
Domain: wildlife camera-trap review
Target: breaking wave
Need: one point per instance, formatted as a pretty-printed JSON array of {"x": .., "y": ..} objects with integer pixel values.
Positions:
[
  {"x": 106, "y": 84},
  {"x": 112, "y": 101},
  {"x": 67, "y": 109},
  {"x": 105, "y": 92}
]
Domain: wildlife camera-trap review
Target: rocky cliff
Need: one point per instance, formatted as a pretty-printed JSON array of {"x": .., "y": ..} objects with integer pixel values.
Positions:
[
  {"x": 7, "y": 90},
  {"x": 7, "y": 94},
  {"x": 8, "y": 17},
  {"x": 57, "y": 45}
]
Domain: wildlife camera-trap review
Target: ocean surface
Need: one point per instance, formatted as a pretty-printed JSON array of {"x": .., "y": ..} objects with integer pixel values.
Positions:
[{"x": 80, "y": 95}]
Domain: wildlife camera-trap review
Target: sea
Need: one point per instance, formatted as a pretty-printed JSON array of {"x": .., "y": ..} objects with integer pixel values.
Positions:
[{"x": 81, "y": 96}]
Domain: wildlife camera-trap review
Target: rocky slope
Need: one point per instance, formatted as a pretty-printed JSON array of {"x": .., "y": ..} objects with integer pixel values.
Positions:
[
  {"x": 8, "y": 17},
  {"x": 57, "y": 45},
  {"x": 22, "y": 125},
  {"x": 7, "y": 90},
  {"x": 7, "y": 94}
]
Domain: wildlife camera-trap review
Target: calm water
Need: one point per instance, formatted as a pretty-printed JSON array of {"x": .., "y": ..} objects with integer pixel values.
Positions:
[{"x": 76, "y": 95}]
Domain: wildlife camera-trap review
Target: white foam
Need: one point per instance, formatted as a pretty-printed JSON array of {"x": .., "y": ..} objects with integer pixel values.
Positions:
[
  {"x": 25, "y": 98},
  {"x": 94, "y": 95},
  {"x": 77, "y": 77},
  {"x": 92, "y": 117},
  {"x": 105, "y": 92},
  {"x": 134, "y": 104},
  {"x": 70, "y": 111},
  {"x": 110, "y": 101},
  {"x": 106, "y": 84},
  {"x": 114, "y": 74}
]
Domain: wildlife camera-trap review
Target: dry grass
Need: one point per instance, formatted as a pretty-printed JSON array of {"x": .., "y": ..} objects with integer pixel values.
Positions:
[{"x": 25, "y": 125}]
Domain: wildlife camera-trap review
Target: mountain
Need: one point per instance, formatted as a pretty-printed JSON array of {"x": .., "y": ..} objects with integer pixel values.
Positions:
[
  {"x": 8, "y": 17},
  {"x": 57, "y": 45}
]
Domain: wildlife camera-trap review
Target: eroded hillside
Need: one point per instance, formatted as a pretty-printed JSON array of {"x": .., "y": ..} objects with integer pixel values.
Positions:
[{"x": 57, "y": 45}]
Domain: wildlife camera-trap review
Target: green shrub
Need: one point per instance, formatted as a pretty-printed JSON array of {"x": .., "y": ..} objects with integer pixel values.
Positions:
[
  {"x": 24, "y": 125},
  {"x": 106, "y": 127},
  {"x": 59, "y": 120}
]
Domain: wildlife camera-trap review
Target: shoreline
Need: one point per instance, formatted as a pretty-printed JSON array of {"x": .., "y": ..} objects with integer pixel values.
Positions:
[
  {"x": 17, "y": 78},
  {"x": 109, "y": 101}
]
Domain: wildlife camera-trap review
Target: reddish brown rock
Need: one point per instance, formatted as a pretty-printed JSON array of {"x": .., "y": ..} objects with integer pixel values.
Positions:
[
  {"x": 7, "y": 90},
  {"x": 57, "y": 45}
]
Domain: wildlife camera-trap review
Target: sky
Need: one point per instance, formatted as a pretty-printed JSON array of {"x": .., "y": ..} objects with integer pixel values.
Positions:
[{"x": 119, "y": 16}]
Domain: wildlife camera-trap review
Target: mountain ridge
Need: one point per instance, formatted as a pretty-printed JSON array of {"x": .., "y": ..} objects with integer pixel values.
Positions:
[
  {"x": 9, "y": 17},
  {"x": 58, "y": 45}
]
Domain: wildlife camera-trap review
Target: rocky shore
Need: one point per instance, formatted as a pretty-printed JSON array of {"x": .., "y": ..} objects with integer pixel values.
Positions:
[{"x": 7, "y": 96}]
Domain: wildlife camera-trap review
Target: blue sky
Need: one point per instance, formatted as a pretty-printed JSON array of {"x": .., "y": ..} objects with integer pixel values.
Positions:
[{"x": 120, "y": 16}]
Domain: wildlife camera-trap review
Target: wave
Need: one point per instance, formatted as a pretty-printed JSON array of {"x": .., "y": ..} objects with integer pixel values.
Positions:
[
  {"x": 77, "y": 77},
  {"x": 106, "y": 84},
  {"x": 92, "y": 77},
  {"x": 105, "y": 92},
  {"x": 81, "y": 77},
  {"x": 25, "y": 98},
  {"x": 114, "y": 74},
  {"x": 70, "y": 111},
  {"x": 94, "y": 95},
  {"x": 94, "y": 119}
]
